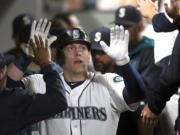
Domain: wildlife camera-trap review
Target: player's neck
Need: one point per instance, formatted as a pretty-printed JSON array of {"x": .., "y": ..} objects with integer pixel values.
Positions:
[{"x": 74, "y": 77}]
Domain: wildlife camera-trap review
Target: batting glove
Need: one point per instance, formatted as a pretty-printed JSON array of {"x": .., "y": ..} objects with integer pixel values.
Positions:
[
  {"x": 118, "y": 48},
  {"x": 42, "y": 29}
]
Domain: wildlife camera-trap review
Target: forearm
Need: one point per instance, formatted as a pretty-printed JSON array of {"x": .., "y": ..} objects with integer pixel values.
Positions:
[
  {"x": 16, "y": 70},
  {"x": 12, "y": 84},
  {"x": 50, "y": 103},
  {"x": 134, "y": 85},
  {"x": 162, "y": 24},
  {"x": 157, "y": 99}
]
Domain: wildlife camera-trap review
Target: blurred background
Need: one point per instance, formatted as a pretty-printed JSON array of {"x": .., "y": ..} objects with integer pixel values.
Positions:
[{"x": 91, "y": 13}]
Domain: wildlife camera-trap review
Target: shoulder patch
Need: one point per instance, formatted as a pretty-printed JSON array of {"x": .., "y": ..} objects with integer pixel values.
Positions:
[{"x": 117, "y": 79}]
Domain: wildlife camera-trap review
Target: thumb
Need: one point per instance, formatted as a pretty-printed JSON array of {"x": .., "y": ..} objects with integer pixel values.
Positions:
[
  {"x": 51, "y": 40},
  {"x": 104, "y": 45}
]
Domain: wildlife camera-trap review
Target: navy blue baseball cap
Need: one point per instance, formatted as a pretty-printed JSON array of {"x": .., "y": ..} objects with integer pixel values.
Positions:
[
  {"x": 74, "y": 35},
  {"x": 101, "y": 33},
  {"x": 55, "y": 31},
  {"x": 127, "y": 16},
  {"x": 21, "y": 26},
  {"x": 5, "y": 59}
]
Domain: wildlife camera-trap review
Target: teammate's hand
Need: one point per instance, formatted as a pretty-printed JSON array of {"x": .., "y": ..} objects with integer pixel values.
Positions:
[
  {"x": 118, "y": 49},
  {"x": 42, "y": 29},
  {"x": 42, "y": 54},
  {"x": 148, "y": 117},
  {"x": 147, "y": 8}
]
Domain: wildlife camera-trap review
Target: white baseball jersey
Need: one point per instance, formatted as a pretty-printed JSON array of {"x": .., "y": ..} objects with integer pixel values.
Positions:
[
  {"x": 94, "y": 107},
  {"x": 35, "y": 83}
]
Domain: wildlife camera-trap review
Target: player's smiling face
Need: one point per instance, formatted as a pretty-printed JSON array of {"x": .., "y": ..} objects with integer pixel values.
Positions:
[{"x": 76, "y": 57}]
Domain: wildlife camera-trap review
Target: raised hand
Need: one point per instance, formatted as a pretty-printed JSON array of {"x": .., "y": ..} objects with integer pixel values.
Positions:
[
  {"x": 42, "y": 29},
  {"x": 147, "y": 8},
  {"x": 118, "y": 49},
  {"x": 40, "y": 43},
  {"x": 42, "y": 54}
]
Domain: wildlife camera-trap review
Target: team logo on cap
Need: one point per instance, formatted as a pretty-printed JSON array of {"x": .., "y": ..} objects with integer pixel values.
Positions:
[
  {"x": 117, "y": 79},
  {"x": 98, "y": 36},
  {"x": 122, "y": 12},
  {"x": 26, "y": 20},
  {"x": 76, "y": 34}
]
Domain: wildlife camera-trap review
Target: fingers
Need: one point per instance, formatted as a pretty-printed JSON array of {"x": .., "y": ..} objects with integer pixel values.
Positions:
[
  {"x": 117, "y": 32},
  {"x": 51, "y": 40},
  {"x": 149, "y": 118},
  {"x": 46, "y": 44},
  {"x": 38, "y": 43},
  {"x": 126, "y": 37},
  {"x": 33, "y": 27},
  {"x": 141, "y": 2},
  {"x": 42, "y": 28},
  {"x": 104, "y": 45},
  {"x": 47, "y": 29},
  {"x": 41, "y": 42},
  {"x": 121, "y": 33},
  {"x": 39, "y": 25},
  {"x": 149, "y": 121},
  {"x": 112, "y": 34},
  {"x": 33, "y": 45}
]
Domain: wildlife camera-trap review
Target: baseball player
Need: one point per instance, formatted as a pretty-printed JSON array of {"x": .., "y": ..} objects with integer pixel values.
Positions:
[
  {"x": 169, "y": 79},
  {"x": 95, "y": 101},
  {"x": 20, "y": 108}
]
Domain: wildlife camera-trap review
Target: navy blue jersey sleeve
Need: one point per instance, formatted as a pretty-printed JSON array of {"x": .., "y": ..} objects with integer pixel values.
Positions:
[
  {"x": 169, "y": 81},
  {"x": 38, "y": 106},
  {"x": 162, "y": 24},
  {"x": 11, "y": 83},
  {"x": 22, "y": 62},
  {"x": 158, "y": 98},
  {"x": 134, "y": 85}
]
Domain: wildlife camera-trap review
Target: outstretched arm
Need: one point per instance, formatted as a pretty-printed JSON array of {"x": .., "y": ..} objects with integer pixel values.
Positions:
[
  {"x": 22, "y": 62},
  {"x": 41, "y": 106},
  {"x": 118, "y": 50},
  {"x": 168, "y": 21}
]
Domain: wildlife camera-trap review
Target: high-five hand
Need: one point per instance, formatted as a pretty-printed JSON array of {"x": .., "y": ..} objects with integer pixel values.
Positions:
[
  {"x": 42, "y": 29},
  {"x": 39, "y": 42},
  {"x": 118, "y": 49}
]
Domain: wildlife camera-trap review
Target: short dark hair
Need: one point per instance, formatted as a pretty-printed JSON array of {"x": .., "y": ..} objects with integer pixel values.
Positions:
[
  {"x": 60, "y": 56},
  {"x": 61, "y": 18}
]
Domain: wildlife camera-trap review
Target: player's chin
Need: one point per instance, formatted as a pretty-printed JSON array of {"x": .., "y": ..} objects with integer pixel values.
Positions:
[
  {"x": 80, "y": 66},
  {"x": 79, "y": 70}
]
